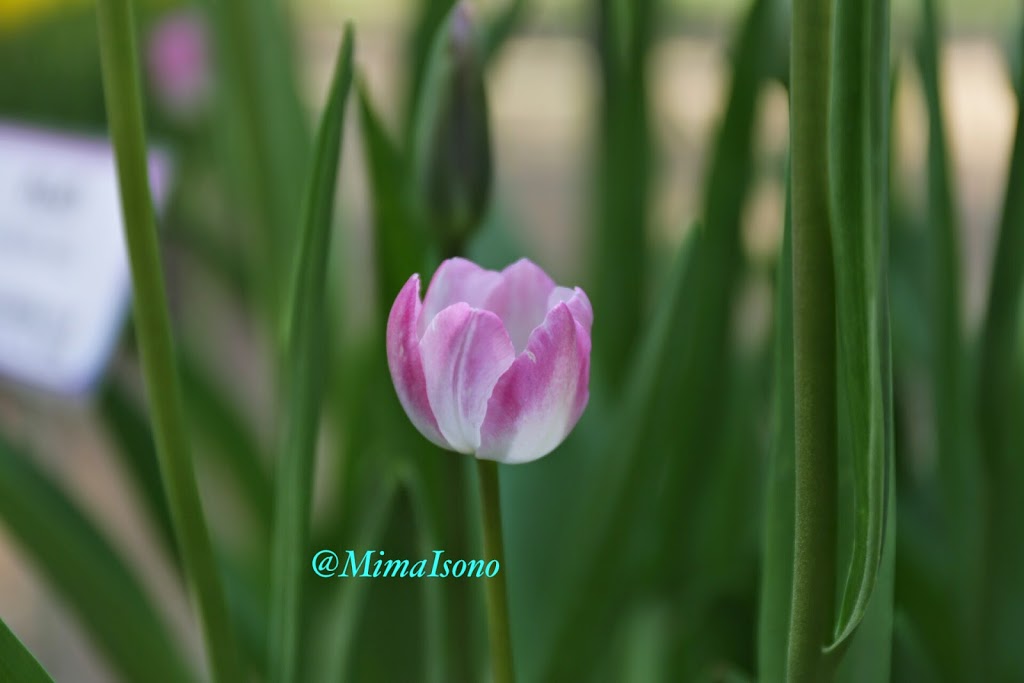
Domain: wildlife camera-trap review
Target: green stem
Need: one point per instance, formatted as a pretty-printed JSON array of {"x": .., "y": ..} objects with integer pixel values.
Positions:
[
  {"x": 497, "y": 596},
  {"x": 153, "y": 329},
  {"x": 814, "y": 345},
  {"x": 461, "y": 631}
]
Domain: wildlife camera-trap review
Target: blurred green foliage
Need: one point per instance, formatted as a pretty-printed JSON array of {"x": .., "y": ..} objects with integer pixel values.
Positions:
[{"x": 657, "y": 543}]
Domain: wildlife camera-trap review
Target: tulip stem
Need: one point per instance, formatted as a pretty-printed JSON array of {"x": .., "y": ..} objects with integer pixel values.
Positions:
[
  {"x": 497, "y": 597},
  {"x": 123, "y": 95},
  {"x": 814, "y": 346}
]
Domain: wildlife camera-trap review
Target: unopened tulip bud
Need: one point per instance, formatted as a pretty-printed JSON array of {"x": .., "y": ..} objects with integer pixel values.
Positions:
[{"x": 454, "y": 143}]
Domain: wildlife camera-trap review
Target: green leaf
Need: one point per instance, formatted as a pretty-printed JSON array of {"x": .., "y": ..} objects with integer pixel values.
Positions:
[
  {"x": 926, "y": 594},
  {"x": 621, "y": 181},
  {"x": 214, "y": 254},
  {"x": 1000, "y": 402},
  {"x": 133, "y": 446},
  {"x": 642, "y": 648},
  {"x": 264, "y": 123},
  {"x": 500, "y": 27},
  {"x": 381, "y": 447},
  {"x": 122, "y": 90},
  {"x": 428, "y": 22},
  {"x": 959, "y": 468},
  {"x": 303, "y": 332},
  {"x": 601, "y": 521},
  {"x": 859, "y": 155},
  {"x": 135, "y": 449},
  {"x": 777, "y": 558},
  {"x": 85, "y": 570},
  {"x": 701, "y": 379},
  {"x": 869, "y": 652},
  {"x": 346, "y": 600},
  {"x": 16, "y": 663},
  {"x": 232, "y": 442},
  {"x": 400, "y": 242},
  {"x": 233, "y": 446},
  {"x": 678, "y": 390},
  {"x": 714, "y": 594}
]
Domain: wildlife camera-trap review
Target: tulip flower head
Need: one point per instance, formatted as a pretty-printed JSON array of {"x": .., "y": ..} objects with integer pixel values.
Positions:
[
  {"x": 179, "y": 64},
  {"x": 491, "y": 363}
]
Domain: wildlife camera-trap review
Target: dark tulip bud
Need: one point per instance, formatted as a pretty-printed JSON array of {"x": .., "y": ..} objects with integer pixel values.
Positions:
[{"x": 453, "y": 134}]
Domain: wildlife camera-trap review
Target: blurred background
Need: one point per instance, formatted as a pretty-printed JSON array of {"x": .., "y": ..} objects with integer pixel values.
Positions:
[{"x": 545, "y": 92}]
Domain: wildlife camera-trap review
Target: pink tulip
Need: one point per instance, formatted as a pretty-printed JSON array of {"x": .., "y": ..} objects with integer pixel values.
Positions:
[
  {"x": 494, "y": 364},
  {"x": 179, "y": 63}
]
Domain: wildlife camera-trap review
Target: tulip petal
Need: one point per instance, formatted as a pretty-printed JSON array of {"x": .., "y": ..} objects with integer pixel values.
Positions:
[
  {"x": 406, "y": 364},
  {"x": 465, "y": 350},
  {"x": 538, "y": 401},
  {"x": 577, "y": 301},
  {"x": 455, "y": 280},
  {"x": 583, "y": 381},
  {"x": 521, "y": 300}
]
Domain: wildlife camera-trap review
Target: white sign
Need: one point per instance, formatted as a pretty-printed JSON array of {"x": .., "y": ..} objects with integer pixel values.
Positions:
[{"x": 64, "y": 278}]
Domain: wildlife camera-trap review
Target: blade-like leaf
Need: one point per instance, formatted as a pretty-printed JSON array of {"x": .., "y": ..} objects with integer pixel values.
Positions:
[
  {"x": 859, "y": 156},
  {"x": 868, "y": 655},
  {"x": 263, "y": 121},
  {"x": 701, "y": 376},
  {"x": 959, "y": 469},
  {"x": 382, "y": 446},
  {"x": 624, "y": 38},
  {"x": 16, "y": 663},
  {"x": 676, "y": 390},
  {"x": 136, "y": 451},
  {"x": 133, "y": 445},
  {"x": 420, "y": 43},
  {"x": 82, "y": 567},
  {"x": 1000, "y": 402},
  {"x": 500, "y": 27},
  {"x": 232, "y": 442},
  {"x": 924, "y": 595},
  {"x": 605, "y": 519},
  {"x": 303, "y": 333},
  {"x": 400, "y": 242},
  {"x": 777, "y": 557},
  {"x": 348, "y": 598}
]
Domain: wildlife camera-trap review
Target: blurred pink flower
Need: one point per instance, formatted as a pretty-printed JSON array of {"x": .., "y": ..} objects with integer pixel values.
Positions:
[
  {"x": 179, "y": 63},
  {"x": 495, "y": 364}
]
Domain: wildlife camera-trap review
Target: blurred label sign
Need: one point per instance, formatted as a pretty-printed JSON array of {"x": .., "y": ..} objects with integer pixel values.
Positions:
[{"x": 64, "y": 278}]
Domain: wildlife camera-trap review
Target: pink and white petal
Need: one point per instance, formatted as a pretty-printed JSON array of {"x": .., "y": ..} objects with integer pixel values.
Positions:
[
  {"x": 539, "y": 400},
  {"x": 455, "y": 280},
  {"x": 577, "y": 301},
  {"x": 583, "y": 346},
  {"x": 405, "y": 363},
  {"x": 465, "y": 350},
  {"x": 521, "y": 300}
]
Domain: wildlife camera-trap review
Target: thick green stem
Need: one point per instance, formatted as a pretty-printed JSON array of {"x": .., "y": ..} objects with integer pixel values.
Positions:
[
  {"x": 814, "y": 344},
  {"x": 153, "y": 329},
  {"x": 497, "y": 596}
]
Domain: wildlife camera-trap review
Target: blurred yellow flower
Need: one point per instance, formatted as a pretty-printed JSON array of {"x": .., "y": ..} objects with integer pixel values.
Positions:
[{"x": 17, "y": 13}]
